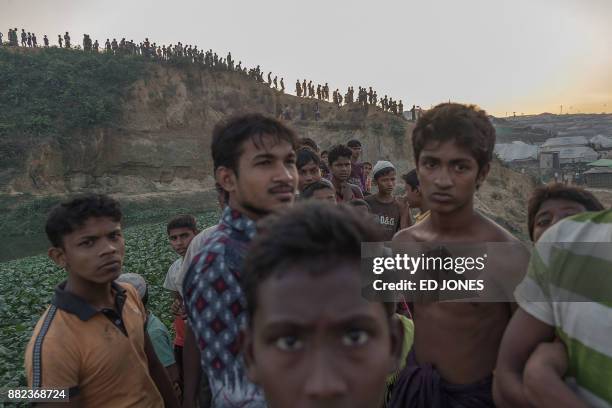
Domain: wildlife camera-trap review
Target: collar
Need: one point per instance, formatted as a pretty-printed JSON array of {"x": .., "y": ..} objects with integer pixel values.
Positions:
[
  {"x": 71, "y": 303},
  {"x": 238, "y": 221}
]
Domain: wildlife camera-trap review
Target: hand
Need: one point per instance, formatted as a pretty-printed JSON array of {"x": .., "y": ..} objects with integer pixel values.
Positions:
[
  {"x": 551, "y": 355},
  {"x": 178, "y": 308},
  {"x": 347, "y": 192}
]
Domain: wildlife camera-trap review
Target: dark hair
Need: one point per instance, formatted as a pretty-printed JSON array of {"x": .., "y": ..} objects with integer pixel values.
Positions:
[
  {"x": 358, "y": 202},
  {"x": 337, "y": 152},
  {"x": 310, "y": 237},
  {"x": 411, "y": 179},
  {"x": 305, "y": 156},
  {"x": 558, "y": 191},
  {"x": 467, "y": 125},
  {"x": 324, "y": 152},
  {"x": 308, "y": 142},
  {"x": 383, "y": 172},
  {"x": 229, "y": 136},
  {"x": 317, "y": 185},
  {"x": 366, "y": 162},
  {"x": 67, "y": 216},
  {"x": 182, "y": 221},
  {"x": 353, "y": 143}
]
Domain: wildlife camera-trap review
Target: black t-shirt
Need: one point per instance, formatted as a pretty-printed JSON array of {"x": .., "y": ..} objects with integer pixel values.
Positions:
[{"x": 387, "y": 215}]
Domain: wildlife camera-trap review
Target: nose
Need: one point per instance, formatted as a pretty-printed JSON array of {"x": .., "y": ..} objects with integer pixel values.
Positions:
[
  {"x": 285, "y": 174},
  {"x": 324, "y": 382},
  {"x": 443, "y": 178},
  {"x": 110, "y": 247}
]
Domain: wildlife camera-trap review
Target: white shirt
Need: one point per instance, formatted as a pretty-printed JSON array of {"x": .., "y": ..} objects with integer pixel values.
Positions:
[{"x": 195, "y": 246}]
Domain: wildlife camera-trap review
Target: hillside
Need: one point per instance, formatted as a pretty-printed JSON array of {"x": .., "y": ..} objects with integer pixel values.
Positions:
[{"x": 154, "y": 135}]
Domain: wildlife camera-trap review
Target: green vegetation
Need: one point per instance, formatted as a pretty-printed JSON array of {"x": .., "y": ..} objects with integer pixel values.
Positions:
[
  {"x": 27, "y": 287},
  {"x": 51, "y": 92}
]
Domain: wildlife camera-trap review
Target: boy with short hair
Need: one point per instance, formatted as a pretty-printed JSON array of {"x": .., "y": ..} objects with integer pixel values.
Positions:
[
  {"x": 312, "y": 339},
  {"x": 357, "y": 176},
  {"x": 340, "y": 166},
  {"x": 320, "y": 190},
  {"x": 550, "y": 203},
  {"x": 309, "y": 167},
  {"x": 413, "y": 198},
  {"x": 391, "y": 215},
  {"x": 181, "y": 230},
  {"x": 456, "y": 344},
  {"x": 92, "y": 338}
]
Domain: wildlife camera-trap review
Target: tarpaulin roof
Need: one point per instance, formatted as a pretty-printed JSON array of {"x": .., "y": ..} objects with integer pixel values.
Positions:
[
  {"x": 601, "y": 163},
  {"x": 565, "y": 141},
  {"x": 602, "y": 142},
  {"x": 516, "y": 150}
]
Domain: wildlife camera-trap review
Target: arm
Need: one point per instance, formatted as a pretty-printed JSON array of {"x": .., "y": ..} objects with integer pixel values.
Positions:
[
  {"x": 192, "y": 371},
  {"x": 159, "y": 376},
  {"x": 405, "y": 218},
  {"x": 543, "y": 378},
  {"x": 522, "y": 336}
]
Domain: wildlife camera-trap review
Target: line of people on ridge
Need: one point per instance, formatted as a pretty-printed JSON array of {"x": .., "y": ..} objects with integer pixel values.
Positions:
[
  {"x": 210, "y": 60},
  {"x": 270, "y": 297}
]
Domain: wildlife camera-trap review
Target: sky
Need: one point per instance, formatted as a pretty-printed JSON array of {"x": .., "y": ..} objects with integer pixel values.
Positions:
[{"x": 523, "y": 56}]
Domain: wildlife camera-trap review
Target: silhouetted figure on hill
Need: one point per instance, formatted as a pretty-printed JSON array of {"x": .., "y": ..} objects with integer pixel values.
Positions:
[
  {"x": 24, "y": 38},
  {"x": 1, "y": 36},
  {"x": 29, "y": 41},
  {"x": 34, "y": 40},
  {"x": 298, "y": 88},
  {"x": 326, "y": 92},
  {"x": 59, "y": 40},
  {"x": 46, "y": 41},
  {"x": 400, "y": 107},
  {"x": 319, "y": 92},
  {"x": 304, "y": 89},
  {"x": 269, "y": 78},
  {"x": 66, "y": 40},
  {"x": 282, "y": 85},
  {"x": 275, "y": 81},
  {"x": 96, "y": 46}
]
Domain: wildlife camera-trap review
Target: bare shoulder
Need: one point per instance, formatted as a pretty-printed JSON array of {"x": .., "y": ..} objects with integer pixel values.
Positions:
[
  {"x": 494, "y": 232},
  {"x": 409, "y": 234}
]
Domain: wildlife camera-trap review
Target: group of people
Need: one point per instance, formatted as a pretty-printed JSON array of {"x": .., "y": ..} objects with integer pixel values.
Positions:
[
  {"x": 210, "y": 60},
  {"x": 268, "y": 303}
]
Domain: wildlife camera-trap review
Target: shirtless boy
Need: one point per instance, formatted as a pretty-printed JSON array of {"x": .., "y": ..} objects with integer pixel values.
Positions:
[{"x": 456, "y": 344}]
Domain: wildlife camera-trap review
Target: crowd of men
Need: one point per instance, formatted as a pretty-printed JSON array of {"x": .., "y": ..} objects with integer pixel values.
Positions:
[
  {"x": 209, "y": 59},
  {"x": 268, "y": 306}
]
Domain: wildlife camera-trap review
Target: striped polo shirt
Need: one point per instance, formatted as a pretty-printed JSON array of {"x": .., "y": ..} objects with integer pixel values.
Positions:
[
  {"x": 569, "y": 286},
  {"x": 98, "y": 355}
]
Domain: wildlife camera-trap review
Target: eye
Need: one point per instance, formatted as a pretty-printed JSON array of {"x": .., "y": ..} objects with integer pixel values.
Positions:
[
  {"x": 87, "y": 243},
  {"x": 355, "y": 337},
  {"x": 264, "y": 163},
  {"x": 461, "y": 167},
  {"x": 289, "y": 343},
  {"x": 542, "y": 222}
]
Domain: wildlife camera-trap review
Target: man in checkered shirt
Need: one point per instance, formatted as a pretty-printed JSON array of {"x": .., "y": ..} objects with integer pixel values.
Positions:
[{"x": 254, "y": 161}]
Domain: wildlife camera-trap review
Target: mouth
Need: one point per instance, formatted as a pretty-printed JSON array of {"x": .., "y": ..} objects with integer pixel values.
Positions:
[
  {"x": 112, "y": 266},
  {"x": 441, "y": 197},
  {"x": 283, "y": 193}
]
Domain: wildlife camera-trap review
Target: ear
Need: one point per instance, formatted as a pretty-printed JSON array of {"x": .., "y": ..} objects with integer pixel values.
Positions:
[
  {"x": 249, "y": 355},
  {"x": 397, "y": 342},
  {"x": 226, "y": 177},
  {"x": 58, "y": 256},
  {"x": 482, "y": 175}
]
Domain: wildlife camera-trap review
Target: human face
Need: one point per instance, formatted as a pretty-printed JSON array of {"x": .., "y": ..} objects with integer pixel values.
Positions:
[
  {"x": 326, "y": 194},
  {"x": 324, "y": 157},
  {"x": 315, "y": 341},
  {"x": 551, "y": 212},
  {"x": 413, "y": 196},
  {"x": 356, "y": 153},
  {"x": 266, "y": 180},
  {"x": 386, "y": 184},
  {"x": 367, "y": 169},
  {"x": 308, "y": 174},
  {"x": 341, "y": 168},
  {"x": 448, "y": 176},
  {"x": 180, "y": 239},
  {"x": 93, "y": 252}
]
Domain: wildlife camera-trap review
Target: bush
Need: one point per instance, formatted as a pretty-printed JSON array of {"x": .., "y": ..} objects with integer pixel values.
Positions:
[{"x": 52, "y": 92}]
